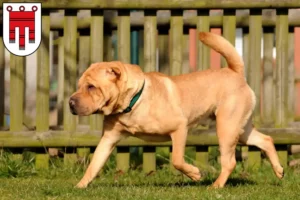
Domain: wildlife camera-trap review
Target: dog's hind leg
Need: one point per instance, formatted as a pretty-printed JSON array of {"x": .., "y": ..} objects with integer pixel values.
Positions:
[{"x": 253, "y": 137}]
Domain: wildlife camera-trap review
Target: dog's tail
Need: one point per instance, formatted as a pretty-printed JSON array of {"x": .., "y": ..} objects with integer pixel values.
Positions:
[{"x": 221, "y": 45}]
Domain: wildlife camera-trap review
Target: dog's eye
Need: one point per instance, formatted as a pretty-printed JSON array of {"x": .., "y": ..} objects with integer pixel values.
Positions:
[{"x": 91, "y": 87}]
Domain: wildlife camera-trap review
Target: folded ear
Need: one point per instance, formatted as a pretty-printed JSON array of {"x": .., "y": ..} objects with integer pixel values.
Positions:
[{"x": 113, "y": 72}]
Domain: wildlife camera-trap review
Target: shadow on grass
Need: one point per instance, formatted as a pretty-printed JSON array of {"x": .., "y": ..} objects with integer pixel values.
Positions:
[{"x": 205, "y": 182}]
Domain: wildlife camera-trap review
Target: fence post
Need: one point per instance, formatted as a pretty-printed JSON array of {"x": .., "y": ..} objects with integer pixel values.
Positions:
[
  {"x": 43, "y": 82},
  {"x": 268, "y": 91},
  {"x": 2, "y": 80},
  {"x": 84, "y": 60},
  {"x": 281, "y": 70},
  {"x": 291, "y": 76},
  {"x": 229, "y": 28},
  {"x": 123, "y": 154},
  {"x": 70, "y": 73},
  {"x": 254, "y": 74},
  {"x": 203, "y": 51},
  {"x": 176, "y": 34},
  {"x": 60, "y": 78}
]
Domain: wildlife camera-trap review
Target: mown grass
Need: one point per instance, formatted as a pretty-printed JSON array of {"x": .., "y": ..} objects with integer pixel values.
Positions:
[{"x": 20, "y": 180}]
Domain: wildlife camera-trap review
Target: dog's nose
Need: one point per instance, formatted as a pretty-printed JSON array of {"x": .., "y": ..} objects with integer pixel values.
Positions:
[{"x": 72, "y": 103}]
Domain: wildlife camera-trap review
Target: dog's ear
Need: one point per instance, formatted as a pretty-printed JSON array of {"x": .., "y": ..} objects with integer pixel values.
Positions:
[{"x": 113, "y": 72}]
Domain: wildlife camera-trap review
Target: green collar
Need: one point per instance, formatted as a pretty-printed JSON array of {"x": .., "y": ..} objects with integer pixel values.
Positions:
[{"x": 134, "y": 100}]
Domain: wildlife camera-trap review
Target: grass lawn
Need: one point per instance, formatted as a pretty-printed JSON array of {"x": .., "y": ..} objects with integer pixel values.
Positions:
[{"x": 21, "y": 181}]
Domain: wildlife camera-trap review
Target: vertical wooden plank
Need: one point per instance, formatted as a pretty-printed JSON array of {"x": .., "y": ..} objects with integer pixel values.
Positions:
[
  {"x": 43, "y": 76},
  {"x": 124, "y": 36},
  {"x": 60, "y": 79},
  {"x": 297, "y": 71},
  {"x": 176, "y": 34},
  {"x": 282, "y": 151},
  {"x": 97, "y": 24},
  {"x": 2, "y": 80},
  {"x": 83, "y": 155},
  {"x": 246, "y": 50},
  {"x": 203, "y": 50},
  {"x": 254, "y": 76},
  {"x": 201, "y": 160},
  {"x": 150, "y": 33},
  {"x": 123, "y": 155},
  {"x": 17, "y": 81},
  {"x": 149, "y": 159},
  {"x": 70, "y": 66},
  {"x": 84, "y": 60},
  {"x": 254, "y": 65},
  {"x": 281, "y": 119},
  {"x": 229, "y": 28},
  {"x": 290, "y": 95},
  {"x": 43, "y": 85},
  {"x": 254, "y": 158},
  {"x": 163, "y": 51},
  {"x": 134, "y": 47},
  {"x": 268, "y": 90}
]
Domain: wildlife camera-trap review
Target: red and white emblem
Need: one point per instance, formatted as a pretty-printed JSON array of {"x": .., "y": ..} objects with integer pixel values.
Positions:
[{"x": 22, "y": 27}]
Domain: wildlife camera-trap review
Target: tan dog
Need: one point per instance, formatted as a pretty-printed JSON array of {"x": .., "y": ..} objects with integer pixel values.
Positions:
[{"x": 156, "y": 107}]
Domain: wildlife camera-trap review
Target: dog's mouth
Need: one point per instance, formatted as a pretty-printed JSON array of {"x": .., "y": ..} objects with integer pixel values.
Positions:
[{"x": 97, "y": 112}]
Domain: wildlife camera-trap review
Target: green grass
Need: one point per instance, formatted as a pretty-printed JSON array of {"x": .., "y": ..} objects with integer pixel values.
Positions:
[{"x": 20, "y": 180}]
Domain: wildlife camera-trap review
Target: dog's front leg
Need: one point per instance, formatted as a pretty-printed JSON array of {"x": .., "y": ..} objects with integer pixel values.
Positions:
[
  {"x": 178, "y": 145},
  {"x": 101, "y": 154}
]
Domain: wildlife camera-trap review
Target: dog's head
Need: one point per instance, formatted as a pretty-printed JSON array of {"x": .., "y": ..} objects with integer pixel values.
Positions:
[{"x": 105, "y": 87}]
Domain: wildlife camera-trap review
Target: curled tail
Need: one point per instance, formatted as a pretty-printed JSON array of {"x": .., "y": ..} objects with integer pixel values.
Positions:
[{"x": 224, "y": 47}]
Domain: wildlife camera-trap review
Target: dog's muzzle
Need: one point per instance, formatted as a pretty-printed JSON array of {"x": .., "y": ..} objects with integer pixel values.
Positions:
[{"x": 72, "y": 104}]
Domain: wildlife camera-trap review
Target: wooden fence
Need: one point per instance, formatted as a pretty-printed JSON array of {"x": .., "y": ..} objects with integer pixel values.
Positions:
[{"x": 88, "y": 40}]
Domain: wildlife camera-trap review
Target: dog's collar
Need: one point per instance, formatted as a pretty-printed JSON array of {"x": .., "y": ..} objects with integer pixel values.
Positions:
[{"x": 134, "y": 100}]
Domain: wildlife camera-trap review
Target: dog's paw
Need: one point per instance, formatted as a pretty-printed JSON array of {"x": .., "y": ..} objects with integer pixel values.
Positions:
[
  {"x": 279, "y": 171},
  {"x": 195, "y": 175},
  {"x": 81, "y": 185}
]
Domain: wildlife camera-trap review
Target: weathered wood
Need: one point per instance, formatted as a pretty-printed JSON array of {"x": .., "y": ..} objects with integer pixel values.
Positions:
[
  {"x": 70, "y": 66},
  {"x": 281, "y": 119},
  {"x": 246, "y": 51},
  {"x": 123, "y": 158},
  {"x": 87, "y": 138},
  {"x": 254, "y": 65},
  {"x": 60, "y": 79},
  {"x": 149, "y": 159},
  {"x": 176, "y": 34},
  {"x": 2, "y": 80},
  {"x": 84, "y": 61},
  {"x": 215, "y": 20},
  {"x": 123, "y": 154},
  {"x": 124, "y": 36},
  {"x": 42, "y": 161},
  {"x": 96, "y": 43},
  {"x": 43, "y": 85},
  {"x": 163, "y": 53},
  {"x": 290, "y": 93},
  {"x": 268, "y": 90},
  {"x": 150, "y": 33},
  {"x": 229, "y": 27},
  {"x": 254, "y": 158},
  {"x": 282, "y": 151},
  {"x": 141, "y": 49},
  {"x": 83, "y": 155},
  {"x": 17, "y": 81},
  {"x": 43, "y": 77},
  {"x": 203, "y": 61},
  {"x": 166, "y": 4},
  {"x": 201, "y": 160}
]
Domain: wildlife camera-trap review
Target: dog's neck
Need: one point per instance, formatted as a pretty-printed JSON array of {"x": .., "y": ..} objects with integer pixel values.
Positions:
[{"x": 134, "y": 100}]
